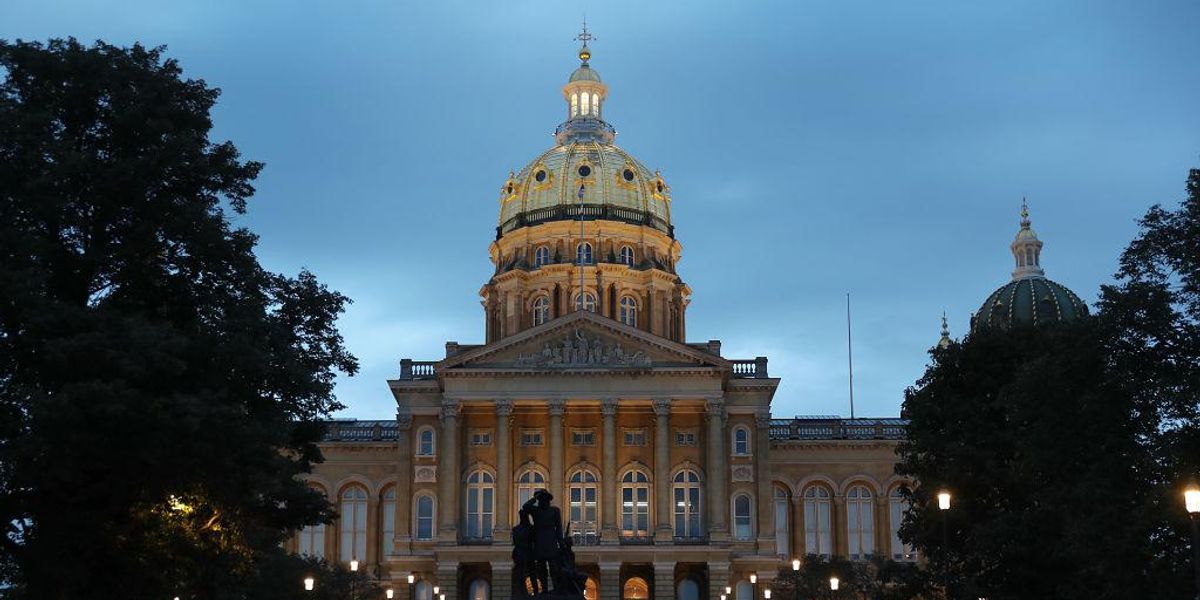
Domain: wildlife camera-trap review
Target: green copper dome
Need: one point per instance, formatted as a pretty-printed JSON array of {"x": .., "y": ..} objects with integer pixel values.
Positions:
[
  {"x": 1028, "y": 301},
  {"x": 585, "y": 73},
  {"x": 1030, "y": 298}
]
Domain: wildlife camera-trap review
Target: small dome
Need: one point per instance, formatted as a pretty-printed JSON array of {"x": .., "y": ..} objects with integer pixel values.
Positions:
[
  {"x": 585, "y": 73},
  {"x": 1028, "y": 301}
]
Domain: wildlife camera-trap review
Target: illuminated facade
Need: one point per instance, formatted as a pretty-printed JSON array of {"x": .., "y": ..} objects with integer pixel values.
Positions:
[{"x": 662, "y": 453}]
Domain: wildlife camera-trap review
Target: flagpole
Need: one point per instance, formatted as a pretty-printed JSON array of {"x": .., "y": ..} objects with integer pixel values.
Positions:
[
  {"x": 850, "y": 354},
  {"x": 579, "y": 252}
]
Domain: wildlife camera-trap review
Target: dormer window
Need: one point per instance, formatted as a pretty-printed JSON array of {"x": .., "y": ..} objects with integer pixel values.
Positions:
[
  {"x": 541, "y": 256},
  {"x": 583, "y": 254}
]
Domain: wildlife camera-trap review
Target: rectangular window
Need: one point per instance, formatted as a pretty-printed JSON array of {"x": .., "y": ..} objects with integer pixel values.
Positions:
[
  {"x": 583, "y": 437},
  {"x": 531, "y": 437},
  {"x": 481, "y": 437},
  {"x": 635, "y": 437},
  {"x": 685, "y": 438}
]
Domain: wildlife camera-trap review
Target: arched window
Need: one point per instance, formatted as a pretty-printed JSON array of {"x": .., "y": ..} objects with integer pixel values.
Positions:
[
  {"x": 744, "y": 590},
  {"x": 574, "y": 104},
  {"x": 541, "y": 310},
  {"x": 626, "y": 256},
  {"x": 481, "y": 496},
  {"x": 353, "y": 520},
  {"x": 387, "y": 521},
  {"x": 783, "y": 528},
  {"x": 742, "y": 526},
  {"x": 425, "y": 446},
  {"x": 425, "y": 518},
  {"x": 583, "y": 254},
  {"x": 586, "y": 105},
  {"x": 816, "y": 521},
  {"x": 687, "y": 590},
  {"x": 629, "y": 311},
  {"x": 480, "y": 590},
  {"x": 528, "y": 482},
  {"x": 423, "y": 590},
  {"x": 635, "y": 588},
  {"x": 582, "y": 494},
  {"x": 541, "y": 256},
  {"x": 741, "y": 441},
  {"x": 635, "y": 504},
  {"x": 311, "y": 539},
  {"x": 898, "y": 505},
  {"x": 590, "y": 592},
  {"x": 596, "y": 105},
  {"x": 860, "y": 522},
  {"x": 687, "y": 504},
  {"x": 1029, "y": 257},
  {"x": 589, "y": 301}
]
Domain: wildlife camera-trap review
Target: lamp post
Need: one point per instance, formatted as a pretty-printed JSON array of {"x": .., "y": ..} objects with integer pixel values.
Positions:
[
  {"x": 795, "y": 579},
  {"x": 754, "y": 585},
  {"x": 308, "y": 584},
  {"x": 728, "y": 590},
  {"x": 353, "y": 577},
  {"x": 767, "y": 594},
  {"x": 944, "y": 506},
  {"x": 412, "y": 580},
  {"x": 833, "y": 586},
  {"x": 1191, "y": 499},
  {"x": 389, "y": 593}
]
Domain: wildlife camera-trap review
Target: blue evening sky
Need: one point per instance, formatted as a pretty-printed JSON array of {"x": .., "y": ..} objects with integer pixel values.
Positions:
[{"x": 813, "y": 148}]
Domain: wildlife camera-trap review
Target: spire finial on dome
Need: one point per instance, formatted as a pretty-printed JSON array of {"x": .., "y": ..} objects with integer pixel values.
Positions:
[
  {"x": 584, "y": 37},
  {"x": 945, "y": 341},
  {"x": 1027, "y": 248}
]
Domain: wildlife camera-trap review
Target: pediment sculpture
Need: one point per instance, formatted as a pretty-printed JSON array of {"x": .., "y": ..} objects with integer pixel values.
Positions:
[{"x": 581, "y": 350}]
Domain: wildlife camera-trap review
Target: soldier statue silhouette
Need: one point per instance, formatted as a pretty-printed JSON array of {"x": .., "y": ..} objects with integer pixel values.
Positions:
[{"x": 543, "y": 558}]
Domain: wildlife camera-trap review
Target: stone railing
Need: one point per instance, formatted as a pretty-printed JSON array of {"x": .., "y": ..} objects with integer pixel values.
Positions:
[
  {"x": 588, "y": 212},
  {"x": 750, "y": 368},
  {"x": 417, "y": 369},
  {"x": 836, "y": 428},
  {"x": 360, "y": 431}
]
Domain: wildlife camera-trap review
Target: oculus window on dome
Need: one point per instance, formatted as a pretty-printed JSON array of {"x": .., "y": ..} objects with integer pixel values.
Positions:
[{"x": 585, "y": 171}]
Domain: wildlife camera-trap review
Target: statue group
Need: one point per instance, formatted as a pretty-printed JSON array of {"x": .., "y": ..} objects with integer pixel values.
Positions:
[{"x": 543, "y": 557}]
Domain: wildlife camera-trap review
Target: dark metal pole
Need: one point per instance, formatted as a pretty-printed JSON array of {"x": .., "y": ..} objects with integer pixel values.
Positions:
[
  {"x": 1196, "y": 549},
  {"x": 946, "y": 557}
]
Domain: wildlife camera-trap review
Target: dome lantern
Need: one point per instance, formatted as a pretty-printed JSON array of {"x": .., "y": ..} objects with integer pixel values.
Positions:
[
  {"x": 585, "y": 94},
  {"x": 1026, "y": 249}
]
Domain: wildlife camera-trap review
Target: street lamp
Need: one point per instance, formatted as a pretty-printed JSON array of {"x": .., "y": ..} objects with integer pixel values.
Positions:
[
  {"x": 796, "y": 579},
  {"x": 435, "y": 590},
  {"x": 412, "y": 579},
  {"x": 767, "y": 594},
  {"x": 1191, "y": 499},
  {"x": 728, "y": 590},
  {"x": 833, "y": 586},
  {"x": 944, "y": 506},
  {"x": 389, "y": 593},
  {"x": 754, "y": 585},
  {"x": 308, "y": 584}
]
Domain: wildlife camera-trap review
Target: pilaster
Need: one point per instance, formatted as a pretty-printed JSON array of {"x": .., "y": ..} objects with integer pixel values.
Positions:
[
  {"x": 765, "y": 511},
  {"x": 503, "y": 529},
  {"x": 404, "y": 476},
  {"x": 610, "y": 581},
  {"x": 664, "y": 581},
  {"x": 718, "y": 578},
  {"x": 448, "y": 474},
  {"x": 608, "y": 477},
  {"x": 557, "y": 407},
  {"x": 662, "y": 469},
  {"x": 502, "y": 580},
  {"x": 447, "y": 580},
  {"x": 718, "y": 472}
]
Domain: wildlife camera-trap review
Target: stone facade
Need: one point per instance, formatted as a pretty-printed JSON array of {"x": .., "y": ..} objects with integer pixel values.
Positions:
[{"x": 662, "y": 454}]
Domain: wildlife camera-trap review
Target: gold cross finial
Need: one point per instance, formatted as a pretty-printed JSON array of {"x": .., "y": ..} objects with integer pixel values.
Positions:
[{"x": 585, "y": 37}]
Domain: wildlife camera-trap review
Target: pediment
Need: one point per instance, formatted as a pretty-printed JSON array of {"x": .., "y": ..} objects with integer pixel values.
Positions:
[{"x": 582, "y": 341}]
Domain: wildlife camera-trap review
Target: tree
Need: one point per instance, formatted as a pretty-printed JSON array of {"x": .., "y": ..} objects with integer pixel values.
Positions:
[
  {"x": 159, "y": 389},
  {"x": 1037, "y": 445},
  {"x": 878, "y": 579},
  {"x": 280, "y": 576},
  {"x": 1152, "y": 320}
]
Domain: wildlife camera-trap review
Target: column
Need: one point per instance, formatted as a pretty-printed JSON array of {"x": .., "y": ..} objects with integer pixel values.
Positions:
[
  {"x": 718, "y": 471},
  {"x": 664, "y": 581},
  {"x": 448, "y": 474},
  {"x": 557, "y": 407},
  {"x": 764, "y": 499},
  {"x": 504, "y": 486},
  {"x": 799, "y": 539},
  {"x": 837, "y": 526},
  {"x": 404, "y": 476},
  {"x": 608, "y": 476},
  {"x": 610, "y": 581},
  {"x": 447, "y": 579},
  {"x": 718, "y": 578},
  {"x": 662, "y": 469},
  {"x": 883, "y": 532}
]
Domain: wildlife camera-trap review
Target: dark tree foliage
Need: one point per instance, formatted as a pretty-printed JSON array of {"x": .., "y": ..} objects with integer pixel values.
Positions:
[
  {"x": 1037, "y": 444},
  {"x": 878, "y": 579},
  {"x": 151, "y": 371},
  {"x": 281, "y": 576},
  {"x": 1152, "y": 315}
]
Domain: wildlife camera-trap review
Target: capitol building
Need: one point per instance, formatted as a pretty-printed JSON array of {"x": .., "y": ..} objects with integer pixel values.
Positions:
[{"x": 662, "y": 452}]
